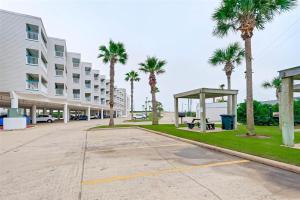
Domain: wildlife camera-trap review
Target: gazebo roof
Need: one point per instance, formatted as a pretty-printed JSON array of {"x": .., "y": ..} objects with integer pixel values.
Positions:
[
  {"x": 290, "y": 72},
  {"x": 209, "y": 93}
]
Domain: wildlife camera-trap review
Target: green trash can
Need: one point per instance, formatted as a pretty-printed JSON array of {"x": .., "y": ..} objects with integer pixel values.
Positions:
[{"x": 228, "y": 122}]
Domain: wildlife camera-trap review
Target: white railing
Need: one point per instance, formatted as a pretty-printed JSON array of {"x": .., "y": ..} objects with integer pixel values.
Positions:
[
  {"x": 75, "y": 80},
  {"x": 76, "y": 96},
  {"x": 96, "y": 100},
  {"x": 31, "y": 60},
  {"x": 96, "y": 78},
  {"x": 96, "y": 89},
  {"x": 59, "y": 72},
  {"x": 59, "y": 53},
  {"x": 88, "y": 86},
  {"x": 59, "y": 92},
  {"x": 44, "y": 88},
  {"x": 32, "y": 35},
  {"x": 88, "y": 73},
  {"x": 32, "y": 85},
  {"x": 88, "y": 99},
  {"x": 75, "y": 65}
]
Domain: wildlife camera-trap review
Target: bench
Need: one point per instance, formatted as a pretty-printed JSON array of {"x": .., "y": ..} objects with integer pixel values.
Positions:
[{"x": 209, "y": 125}]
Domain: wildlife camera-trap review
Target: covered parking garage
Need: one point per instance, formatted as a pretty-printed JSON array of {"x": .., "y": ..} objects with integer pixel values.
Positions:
[{"x": 33, "y": 103}]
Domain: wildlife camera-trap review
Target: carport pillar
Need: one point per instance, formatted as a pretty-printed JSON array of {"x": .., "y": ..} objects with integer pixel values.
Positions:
[
  {"x": 33, "y": 114},
  {"x": 176, "y": 111},
  {"x": 287, "y": 111},
  {"x": 202, "y": 112},
  {"x": 102, "y": 112},
  {"x": 234, "y": 109},
  {"x": 14, "y": 100},
  {"x": 44, "y": 111},
  {"x": 66, "y": 110},
  {"x": 229, "y": 105},
  {"x": 88, "y": 111}
]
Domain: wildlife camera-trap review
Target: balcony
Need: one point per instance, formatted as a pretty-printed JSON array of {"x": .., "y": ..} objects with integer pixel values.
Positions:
[
  {"x": 32, "y": 60},
  {"x": 76, "y": 80},
  {"x": 59, "y": 92},
  {"x": 88, "y": 73},
  {"x": 44, "y": 88},
  {"x": 88, "y": 99},
  {"x": 76, "y": 96},
  {"x": 32, "y": 85},
  {"x": 88, "y": 86},
  {"x": 31, "y": 35},
  {"x": 59, "y": 72},
  {"x": 59, "y": 53}
]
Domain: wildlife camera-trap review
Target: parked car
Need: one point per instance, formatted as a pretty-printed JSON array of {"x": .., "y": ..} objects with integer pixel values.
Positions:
[
  {"x": 82, "y": 117},
  {"x": 95, "y": 117},
  {"x": 139, "y": 116},
  {"x": 45, "y": 118},
  {"x": 28, "y": 120}
]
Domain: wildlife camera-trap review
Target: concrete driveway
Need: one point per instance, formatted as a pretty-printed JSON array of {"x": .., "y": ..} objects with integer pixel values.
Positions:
[{"x": 67, "y": 162}]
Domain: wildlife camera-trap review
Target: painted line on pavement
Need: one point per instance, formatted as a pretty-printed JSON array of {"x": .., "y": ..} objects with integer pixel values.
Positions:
[{"x": 159, "y": 172}]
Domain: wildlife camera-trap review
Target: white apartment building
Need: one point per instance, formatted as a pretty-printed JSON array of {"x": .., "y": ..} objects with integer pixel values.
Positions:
[{"x": 37, "y": 72}]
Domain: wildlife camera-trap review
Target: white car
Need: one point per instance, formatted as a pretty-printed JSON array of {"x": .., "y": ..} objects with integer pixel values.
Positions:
[
  {"x": 139, "y": 116},
  {"x": 45, "y": 118}
]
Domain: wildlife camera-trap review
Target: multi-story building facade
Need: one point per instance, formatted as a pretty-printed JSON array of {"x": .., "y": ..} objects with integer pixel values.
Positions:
[{"x": 38, "y": 72}]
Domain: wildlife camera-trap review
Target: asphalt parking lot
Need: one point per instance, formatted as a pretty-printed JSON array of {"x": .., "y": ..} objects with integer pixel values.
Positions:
[{"x": 67, "y": 162}]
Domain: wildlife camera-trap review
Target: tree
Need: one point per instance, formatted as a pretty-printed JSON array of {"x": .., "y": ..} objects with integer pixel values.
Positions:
[
  {"x": 245, "y": 16},
  {"x": 275, "y": 83},
  {"x": 132, "y": 76},
  {"x": 113, "y": 54},
  {"x": 153, "y": 66}
]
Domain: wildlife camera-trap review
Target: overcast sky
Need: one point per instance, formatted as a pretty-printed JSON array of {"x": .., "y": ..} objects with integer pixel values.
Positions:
[{"x": 179, "y": 31}]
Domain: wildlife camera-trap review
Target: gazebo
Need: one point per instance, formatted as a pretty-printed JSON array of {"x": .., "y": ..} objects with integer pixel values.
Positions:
[
  {"x": 286, "y": 105},
  {"x": 202, "y": 94}
]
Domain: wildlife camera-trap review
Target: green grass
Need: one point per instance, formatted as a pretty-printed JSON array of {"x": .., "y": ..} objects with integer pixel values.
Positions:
[{"x": 268, "y": 147}]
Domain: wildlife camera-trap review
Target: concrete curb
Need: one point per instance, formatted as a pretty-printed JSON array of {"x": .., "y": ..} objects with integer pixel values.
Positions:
[{"x": 273, "y": 163}]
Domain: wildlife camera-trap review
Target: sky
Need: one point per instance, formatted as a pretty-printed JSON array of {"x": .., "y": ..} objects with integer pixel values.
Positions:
[{"x": 178, "y": 31}]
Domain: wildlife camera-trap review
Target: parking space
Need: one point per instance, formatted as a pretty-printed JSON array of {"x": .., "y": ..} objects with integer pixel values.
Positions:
[{"x": 64, "y": 161}]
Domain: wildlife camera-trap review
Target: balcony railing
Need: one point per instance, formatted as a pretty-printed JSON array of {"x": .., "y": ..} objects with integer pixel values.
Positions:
[
  {"x": 76, "y": 96},
  {"x": 59, "y": 92},
  {"x": 96, "y": 78},
  {"x": 76, "y": 80},
  {"x": 75, "y": 65},
  {"x": 44, "y": 88},
  {"x": 59, "y": 53},
  {"x": 96, "y": 100},
  {"x": 31, "y": 60},
  {"x": 44, "y": 65},
  {"x": 88, "y": 73},
  {"x": 88, "y": 98},
  {"x": 32, "y": 35},
  {"x": 88, "y": 86},
  {"x": 32, "y": 85},
  {"x": 59, "y": 72}
]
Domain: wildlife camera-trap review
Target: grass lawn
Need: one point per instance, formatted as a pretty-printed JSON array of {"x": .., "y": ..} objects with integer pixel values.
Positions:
[{"x": 267, "y": 147}]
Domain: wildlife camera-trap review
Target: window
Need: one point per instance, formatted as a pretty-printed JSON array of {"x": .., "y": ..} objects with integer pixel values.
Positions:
[
  {"x": 32, "y": 56},
  {"x": 88, "y": 96},
  {"x": 76, "y": 94},
  {"x": 59, "y": 51},
  {"x": 59, "y": 70},
  {"x": 88, "y": 71},
  {"x": 76, "y": 62},
  {"x": 76, "y": 78},
  {"x": 59, "y": 89},
  {"x": 32, "y": 81},
  {"x": 32, "y": 32}
]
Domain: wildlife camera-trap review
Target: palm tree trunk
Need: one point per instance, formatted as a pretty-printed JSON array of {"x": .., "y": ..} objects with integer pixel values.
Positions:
[
  {"x": 131, "y": 99},
  {"x": 229, "y": 111},
  {"x": 250, "y": 113},
  {"x": 111, "y": 93},
  {"x": 154, "y": 107}
]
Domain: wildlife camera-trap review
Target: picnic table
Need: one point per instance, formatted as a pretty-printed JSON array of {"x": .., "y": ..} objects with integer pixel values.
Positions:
[{"x": 196, "y": 121}]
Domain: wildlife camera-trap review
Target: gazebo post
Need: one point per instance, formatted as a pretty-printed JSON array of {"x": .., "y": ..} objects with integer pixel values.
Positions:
[
  {"x": 176, "y": 111},
  {"x": 287, "y": 111},
  {"x": 202, "y": 111},
  {"x": 234, "y": 109}
]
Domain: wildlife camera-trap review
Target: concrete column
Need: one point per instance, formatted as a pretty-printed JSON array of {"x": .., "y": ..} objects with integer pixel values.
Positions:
[
  {"x": 102, "y": 113},
  {"x": 88, "y": 111},
  {"x": 176, "y": 111},
  {"x": 234, "y": 109},
  {"x": 202, "y": 112},
  {"x": 229, "y": 105},
  {"x": 51, "y": 111},
  {"x": 287, "y": 111},
  {"x": 66, "y": 110},
  {"x": 44, "y": 111},
  {"x": 14, "y": 100},
  {"x": 33, "y": 114}
]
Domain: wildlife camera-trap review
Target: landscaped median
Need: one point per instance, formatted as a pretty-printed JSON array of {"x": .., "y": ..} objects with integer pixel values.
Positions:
[{"x": 267, "y": 146}]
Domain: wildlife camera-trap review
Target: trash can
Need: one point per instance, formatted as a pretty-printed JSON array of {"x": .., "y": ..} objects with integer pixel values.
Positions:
[{"x": 228, "y": 122}]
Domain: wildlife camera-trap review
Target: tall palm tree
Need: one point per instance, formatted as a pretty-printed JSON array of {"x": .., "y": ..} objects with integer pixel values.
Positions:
[
  {"x": 275, "y": 83},
  {"x": 132, "y": 76},
  {"x": 228, "y": 57},
  {"x": 245, "y": 16},
  {"x": 113, "y": 54},
  {"x": 154, "y": 67}
]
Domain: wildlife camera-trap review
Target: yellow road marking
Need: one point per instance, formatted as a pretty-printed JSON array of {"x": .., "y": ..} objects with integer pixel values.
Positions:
[
  {"x": 142, "y": 147},
  {"x": 159, "y": 172}
]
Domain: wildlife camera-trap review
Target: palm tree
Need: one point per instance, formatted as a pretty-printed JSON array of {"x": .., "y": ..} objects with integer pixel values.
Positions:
[
  {"x": 245, "y": 16},
  {"x": 113, "y": 54},
  {"x": 228, "y": 57},
  {"x": 275, "y": 83},
  {"x": 132, "y": 76},
  {"x": 154, "y": 67}
]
